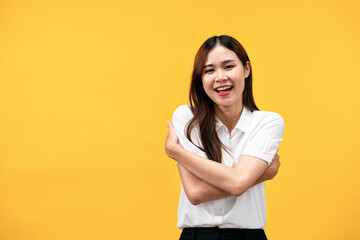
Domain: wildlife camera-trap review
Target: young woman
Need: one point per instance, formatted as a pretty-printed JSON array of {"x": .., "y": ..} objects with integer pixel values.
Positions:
[{"x": 225, "y": 148}]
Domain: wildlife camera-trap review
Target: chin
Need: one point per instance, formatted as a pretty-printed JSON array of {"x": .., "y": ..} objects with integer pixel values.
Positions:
[
  {"x": 228, "y": 102},
  {"x": 224, "y": 103}
]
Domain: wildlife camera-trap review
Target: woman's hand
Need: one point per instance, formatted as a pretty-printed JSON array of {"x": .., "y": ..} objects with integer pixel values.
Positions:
[
  {"x": 273, "y": 168},
  {"x": 171, "y": 142}
]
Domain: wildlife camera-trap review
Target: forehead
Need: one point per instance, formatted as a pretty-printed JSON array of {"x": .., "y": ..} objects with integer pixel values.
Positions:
[{"x": 219, "y": 54}]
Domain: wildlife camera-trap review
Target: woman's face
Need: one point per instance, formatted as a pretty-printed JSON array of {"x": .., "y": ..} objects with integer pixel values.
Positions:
[{"x": 224, "y": 77}]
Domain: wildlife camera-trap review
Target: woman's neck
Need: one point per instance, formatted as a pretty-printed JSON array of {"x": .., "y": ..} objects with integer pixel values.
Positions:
[{"x": 229, "y": 116}]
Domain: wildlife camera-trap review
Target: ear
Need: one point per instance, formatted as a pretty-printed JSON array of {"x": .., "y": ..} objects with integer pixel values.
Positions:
[{"x": 247, "y": 69}]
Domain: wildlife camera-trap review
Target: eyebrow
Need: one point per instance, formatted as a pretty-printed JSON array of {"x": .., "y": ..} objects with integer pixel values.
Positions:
[{"x": 223, "y": 62}]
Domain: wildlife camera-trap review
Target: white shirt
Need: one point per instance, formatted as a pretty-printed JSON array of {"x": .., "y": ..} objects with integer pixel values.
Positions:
[{"x": 257, "y": 134}]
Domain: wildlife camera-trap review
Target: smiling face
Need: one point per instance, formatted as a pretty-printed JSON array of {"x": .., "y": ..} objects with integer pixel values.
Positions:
[{"x": 224, "y": 76}]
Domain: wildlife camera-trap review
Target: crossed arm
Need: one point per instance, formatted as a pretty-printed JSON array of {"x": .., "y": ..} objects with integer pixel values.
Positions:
[{"x": 205, "y": 180}]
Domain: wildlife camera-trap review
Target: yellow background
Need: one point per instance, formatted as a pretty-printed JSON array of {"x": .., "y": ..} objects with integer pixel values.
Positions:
[{"x": 86, "y": 88}]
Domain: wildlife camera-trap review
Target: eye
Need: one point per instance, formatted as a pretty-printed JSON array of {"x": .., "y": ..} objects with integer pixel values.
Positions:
[
  {"x": 209, "y": 70},
  {"x": 229, "y": 66}
]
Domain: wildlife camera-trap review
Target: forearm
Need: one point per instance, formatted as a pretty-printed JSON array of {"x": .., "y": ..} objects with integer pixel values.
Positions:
[
  {"x": 218, "y": 175},
  {"x": 231, "y": 180},
  {"x": 197, "y": 190}
]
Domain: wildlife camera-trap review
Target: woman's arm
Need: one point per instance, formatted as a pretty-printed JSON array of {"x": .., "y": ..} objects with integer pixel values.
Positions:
[
  {"x": 199, "y": 191},
  {"x": 234, "y": 181},
  {"x": 271, "y": 170}
]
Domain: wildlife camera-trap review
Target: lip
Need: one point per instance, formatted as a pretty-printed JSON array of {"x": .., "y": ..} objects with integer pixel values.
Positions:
[
  {"x": 224, "y": 93},
  {"x": 222, "y": 86}
]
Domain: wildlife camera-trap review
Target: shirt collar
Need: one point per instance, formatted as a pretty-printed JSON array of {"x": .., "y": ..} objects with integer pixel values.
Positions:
[{"x": 242, "y": 124}]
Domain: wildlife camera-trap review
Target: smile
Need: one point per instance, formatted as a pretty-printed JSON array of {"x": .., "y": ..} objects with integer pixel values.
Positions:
[{"x": 223, "y": 89}]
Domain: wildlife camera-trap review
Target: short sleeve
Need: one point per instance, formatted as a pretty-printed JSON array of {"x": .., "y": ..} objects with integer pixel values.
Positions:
[
  {"x": 180, "y": 119},
  {"x": 265, "y": 141}
]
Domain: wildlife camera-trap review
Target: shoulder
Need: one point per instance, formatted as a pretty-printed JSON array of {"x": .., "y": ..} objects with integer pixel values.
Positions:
[
  {"x": 265, "y": 118},
  {"x": 183, "y": 114}
]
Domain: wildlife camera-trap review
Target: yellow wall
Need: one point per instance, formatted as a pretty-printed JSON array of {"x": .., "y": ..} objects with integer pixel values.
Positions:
[{"x": 86, "y": 88}]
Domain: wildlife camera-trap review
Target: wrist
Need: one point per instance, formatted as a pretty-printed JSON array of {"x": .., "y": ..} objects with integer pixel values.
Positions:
[{"x": 172, "y": 150}]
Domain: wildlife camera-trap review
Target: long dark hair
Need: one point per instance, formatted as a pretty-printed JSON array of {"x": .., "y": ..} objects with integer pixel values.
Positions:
[{"x": 203, "y": 107}]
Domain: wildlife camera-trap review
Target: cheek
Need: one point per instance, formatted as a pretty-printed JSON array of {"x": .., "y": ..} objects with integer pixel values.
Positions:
[
  {"x": 207, "y": 86},
  {"x": 242, "y": 87},
  {"x": 205, "y": 83}
]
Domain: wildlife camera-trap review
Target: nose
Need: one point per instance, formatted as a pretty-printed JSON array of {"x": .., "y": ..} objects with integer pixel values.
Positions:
[{"x": 220, "y": 76}]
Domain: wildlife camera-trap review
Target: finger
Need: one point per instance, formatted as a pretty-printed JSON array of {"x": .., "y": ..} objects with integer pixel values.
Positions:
[{"x": 171, "y": 127}]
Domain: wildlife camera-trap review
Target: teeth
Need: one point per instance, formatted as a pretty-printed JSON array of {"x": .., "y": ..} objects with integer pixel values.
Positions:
[{"x": 223, "y": 88}]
